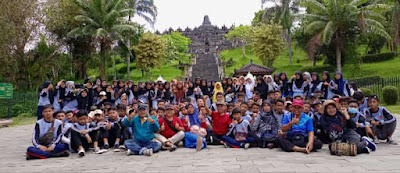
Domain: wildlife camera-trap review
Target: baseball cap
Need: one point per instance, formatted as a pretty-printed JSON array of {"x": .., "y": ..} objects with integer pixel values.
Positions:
[
  {"x": 142, "y": 106},
  {"x": 298, "y": 102},
  {"x": 220, "y": 103},
  {"x": 168, "y": 107},
  {"x": 103, "y": 93}
]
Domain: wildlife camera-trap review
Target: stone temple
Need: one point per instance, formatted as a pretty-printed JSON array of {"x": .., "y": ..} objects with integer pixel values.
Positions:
[{"x": 207, "y": 41}]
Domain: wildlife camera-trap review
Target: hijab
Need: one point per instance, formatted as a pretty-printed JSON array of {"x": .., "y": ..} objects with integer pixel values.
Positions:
[
  {"x": 194, "y": 118},
  {"x": 340, "y": 83},
  {"x": 315, "y": 82},
  {"x": 216, "y": 90},
  {"x": 299, "y": 82}
]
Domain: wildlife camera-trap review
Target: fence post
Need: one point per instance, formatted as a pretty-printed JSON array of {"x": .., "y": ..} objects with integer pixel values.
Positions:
[{"x": 9, "y": 108}]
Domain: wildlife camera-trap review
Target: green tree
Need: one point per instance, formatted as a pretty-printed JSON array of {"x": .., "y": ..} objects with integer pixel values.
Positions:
[
  {"x": 177, "y": 47},
  {"x": 267, "y": 42},
  {"x": 332, "y": 20},
  {"x": 393, "y": 27},
  {"x": 240, "y": 34},
  {"x": 103, "y": 21},
  {"x": 150, "y": 52}
]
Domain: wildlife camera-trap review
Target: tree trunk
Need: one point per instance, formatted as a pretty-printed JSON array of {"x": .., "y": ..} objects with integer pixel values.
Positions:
[
  {"x": 128, "y": 61},
  {"x": 338, "y": 53},
  {"x": 142, "y": 73},
  {"x": 102, "y": 60},
  {"x": 114, "y": 67},
  {"x": 289, "y": 40},
  {"x": 315, "y": 61},
  {"x": 244, "y": 49}
]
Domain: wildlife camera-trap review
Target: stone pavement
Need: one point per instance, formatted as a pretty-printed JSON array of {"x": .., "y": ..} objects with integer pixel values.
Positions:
[{"x": 15, "y": 140}]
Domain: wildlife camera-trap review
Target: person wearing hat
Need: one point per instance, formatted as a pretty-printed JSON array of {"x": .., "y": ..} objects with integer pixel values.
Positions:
[
  {"x": 299, "y": 131},
  {"x": 171, "y": 129},
  {"x": 317, "y": 113},
  {"x": 238, "y": 134},
  {"x": 339, "y": 127},
  {"x": 221, "y": 122},
  {"x": 143, "y": 127},
  {"x": 101, "y": 99},
  {"x": 382, "y": 121}
]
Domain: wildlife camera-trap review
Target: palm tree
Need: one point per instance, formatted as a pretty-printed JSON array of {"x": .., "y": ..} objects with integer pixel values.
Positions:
[
  {"x": 146, "y": 10},
  {"x": 103, "y": 21},
  {"x": 394, "y": 23},
  {"x": 333, "y": 19}
]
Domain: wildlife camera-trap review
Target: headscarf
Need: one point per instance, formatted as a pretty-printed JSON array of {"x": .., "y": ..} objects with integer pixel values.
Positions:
[
  {"x": 180, "y": 93},
  {"x": 270, "y": 84},
  {"x": 299, "y": 82},
  {"x": 325, "y": 88},
  {"x": 308, "y": 76},
  {"x": 67, "y": 89},
  {"x": 262, "y": 87},
  {"x": 204, "y": 89},
  {"x": 315, "y": 82},
  {"x": 216, "y": 90},
  {"x": 340, "y": 83},
  {"x": 194, "y": 118},
  {"x": 285, "y": 86}
]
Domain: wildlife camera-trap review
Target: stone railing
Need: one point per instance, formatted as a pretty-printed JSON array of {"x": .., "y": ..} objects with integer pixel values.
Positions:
[
  {"x": 219, "y": 65},
  {"x": 189, "y": 71}
]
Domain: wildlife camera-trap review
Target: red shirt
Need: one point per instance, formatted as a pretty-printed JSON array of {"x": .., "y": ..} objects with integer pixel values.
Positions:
[
  {"x": 220, "y": 123},
  {"x": 168, "y": 132},
  {"x": 203, "y": 124}
]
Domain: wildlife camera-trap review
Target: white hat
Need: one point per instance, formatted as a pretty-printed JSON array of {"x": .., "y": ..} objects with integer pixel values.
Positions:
[
  {"x": 103, "y": 93},
  {"x": 160, "y": 79},
  {"x": 249, "y": 76},
  {"x": 95, "y": 112}
]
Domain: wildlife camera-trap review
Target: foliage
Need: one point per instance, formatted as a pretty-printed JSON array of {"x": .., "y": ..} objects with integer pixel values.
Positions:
[
  {"x": 371, "y": 58},
  {"x": 150, "y": 52},
  {"x": 144, "y": 9},
  {"x": 267, "y": 42},
  {"x": 241, "y": 35},
  {"x": 390, "y": 95},
  {"x": 177, "y": 47},
  {"x": 318, "y": 69},
  {"x": 367, "y": 92},
  {"x": 103, "y": 21},
  {"x": 335, "y": 20}
]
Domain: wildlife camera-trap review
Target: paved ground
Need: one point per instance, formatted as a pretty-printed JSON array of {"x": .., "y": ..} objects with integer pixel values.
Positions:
[{"x": 15, "y": 140}]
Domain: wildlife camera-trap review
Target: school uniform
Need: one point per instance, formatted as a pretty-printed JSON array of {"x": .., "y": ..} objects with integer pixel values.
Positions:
[
  {"x": 45, "y": 98},
  {"x": 387, "y": 122},
  {"x": 238, "y": 134},
  {"x": 41, "y": 130},
  {"x": 80, "y": 140}
]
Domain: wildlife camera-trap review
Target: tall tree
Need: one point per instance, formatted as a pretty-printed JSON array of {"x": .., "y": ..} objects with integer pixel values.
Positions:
[
  {"x": 332, "y": 20},
  {"x": 102, "y": 20},
  {"x": 267, "y": 42},
  {"x": 240, "y": 34},
  {"x": 150, "y": 52},
  {"x": 177, "y": 47}
]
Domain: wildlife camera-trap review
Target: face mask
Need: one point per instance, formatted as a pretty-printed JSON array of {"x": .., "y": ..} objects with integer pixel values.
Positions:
[{"x": 352, "y": 110}]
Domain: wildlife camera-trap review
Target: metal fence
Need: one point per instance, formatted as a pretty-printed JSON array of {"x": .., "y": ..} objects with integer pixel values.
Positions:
[
  {"x": 377, "y": 83},
  {"x": 24, "y": 102}
]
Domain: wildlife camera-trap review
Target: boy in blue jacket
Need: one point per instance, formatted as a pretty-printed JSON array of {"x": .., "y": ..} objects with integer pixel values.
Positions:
[{"x": 143, "y": 128}]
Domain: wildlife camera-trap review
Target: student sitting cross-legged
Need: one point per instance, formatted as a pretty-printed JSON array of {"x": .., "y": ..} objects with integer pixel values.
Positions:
[
  {"x": 265, "y": 125},
  {"x": 143, "y": 127},
  {"x": 171, "y": 130},
  {"x": 237, "y": 136},
  {"x": 46, "y": 137},
  {"x": 299, "y": 131}
]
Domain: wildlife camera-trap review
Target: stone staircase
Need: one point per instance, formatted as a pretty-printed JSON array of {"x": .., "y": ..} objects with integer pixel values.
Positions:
[{"x": 205, "y": 67}]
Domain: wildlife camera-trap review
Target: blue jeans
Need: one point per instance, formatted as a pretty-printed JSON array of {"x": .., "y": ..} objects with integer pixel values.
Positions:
[
  {"x": 237, "y": 144},
  {"x": 36, "y": 152},
  {"x": 138, "y": 147},
  {"x": 190, "y": 140}
]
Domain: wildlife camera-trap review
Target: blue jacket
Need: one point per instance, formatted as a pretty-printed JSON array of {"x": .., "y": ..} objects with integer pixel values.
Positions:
[{"x": 142, "y": 132}]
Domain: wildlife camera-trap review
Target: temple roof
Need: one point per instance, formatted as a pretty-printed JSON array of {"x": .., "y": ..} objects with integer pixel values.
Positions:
[
  {"x": 206, "y": 21},
  {"x": 254, "y": 69}
]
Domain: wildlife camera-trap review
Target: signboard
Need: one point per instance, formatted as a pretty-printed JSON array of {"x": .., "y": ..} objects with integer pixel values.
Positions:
[{"x": 6, "y": 91}]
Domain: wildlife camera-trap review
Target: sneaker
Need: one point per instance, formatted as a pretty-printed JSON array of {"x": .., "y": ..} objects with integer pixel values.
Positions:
[
  {"x": 122, "y": 147},
  {"x": 370, "y": 144},
  {"x": 246, "y": 146},
  {"x": 390, "y": 140},
  {"x": 366, "y": 150},
  {"x": 199, "y": 143},
  {"x": 106, "y": 146},
  {"x": 148, "y": 152},
  {"x": 116, "y": 145},
  {"x": 226, "y": 145},
  {"x": 97, "y": 149},
  {"x": 376, "y": 140},
  {"x": 81, "y": 152},
  {"x": 173, "y": 148},
  {"x": 60, "y": 154},
  {"x": 129, "y": 152}
]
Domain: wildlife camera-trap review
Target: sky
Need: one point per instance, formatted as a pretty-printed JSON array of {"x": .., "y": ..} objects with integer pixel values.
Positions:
[{"x": 190, "y": 13}]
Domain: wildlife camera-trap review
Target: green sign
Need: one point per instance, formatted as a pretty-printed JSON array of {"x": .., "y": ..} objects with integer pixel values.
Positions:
[{"x": 6, "y": 91}]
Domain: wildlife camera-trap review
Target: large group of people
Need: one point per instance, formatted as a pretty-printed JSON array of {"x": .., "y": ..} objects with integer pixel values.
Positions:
[{"x": 296, "y": 114}]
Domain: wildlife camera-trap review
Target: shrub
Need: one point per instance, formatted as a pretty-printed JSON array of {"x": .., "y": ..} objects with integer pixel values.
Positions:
[
  {"x": 390, "y": 95},
  {"x": 378, "y": 57},
  {"x": 318, "y": 69},
  {"x": 367, "y": 92}
]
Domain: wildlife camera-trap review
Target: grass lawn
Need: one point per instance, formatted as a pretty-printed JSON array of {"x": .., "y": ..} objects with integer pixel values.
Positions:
[
  {"x": 383, "y": 69},
  {"x": 23, "y": 120},
  {"x": 395, "y": 109}
]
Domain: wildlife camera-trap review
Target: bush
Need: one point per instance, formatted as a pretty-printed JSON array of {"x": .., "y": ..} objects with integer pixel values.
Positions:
[
  {"x": 318, "y": 69},
  {"x": 367, "y": 92},
  {"x": 378, "y": 57},
  {"x": 390, "y": 95}
]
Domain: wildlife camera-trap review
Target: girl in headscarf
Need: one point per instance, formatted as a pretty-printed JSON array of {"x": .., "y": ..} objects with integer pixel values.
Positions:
[
  {"x": 327, "y": 85},
  {"x": 298, "y": 85},
  {"x": 341, "y": 85},
  {"x": 270, "y": 82},
  {"x": 249, "y": 85},
  {"x": 307, "y": 79},
  {"x": 284, "y": 84},
  {"x": 59, "y": 96},
  {"x": 262, "y": 88},
  {"x": 70, "y": 97},
  {"x": 45, "y": 97},
  {"x": 167, "y": 92},
  {"x": 179, "y": 92},
  {"x": 194, "y": 128},
  {"x": 266, "y": 126},
  {"x": 218, "y": 88},
  {"x": 315, "y": 85}
]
